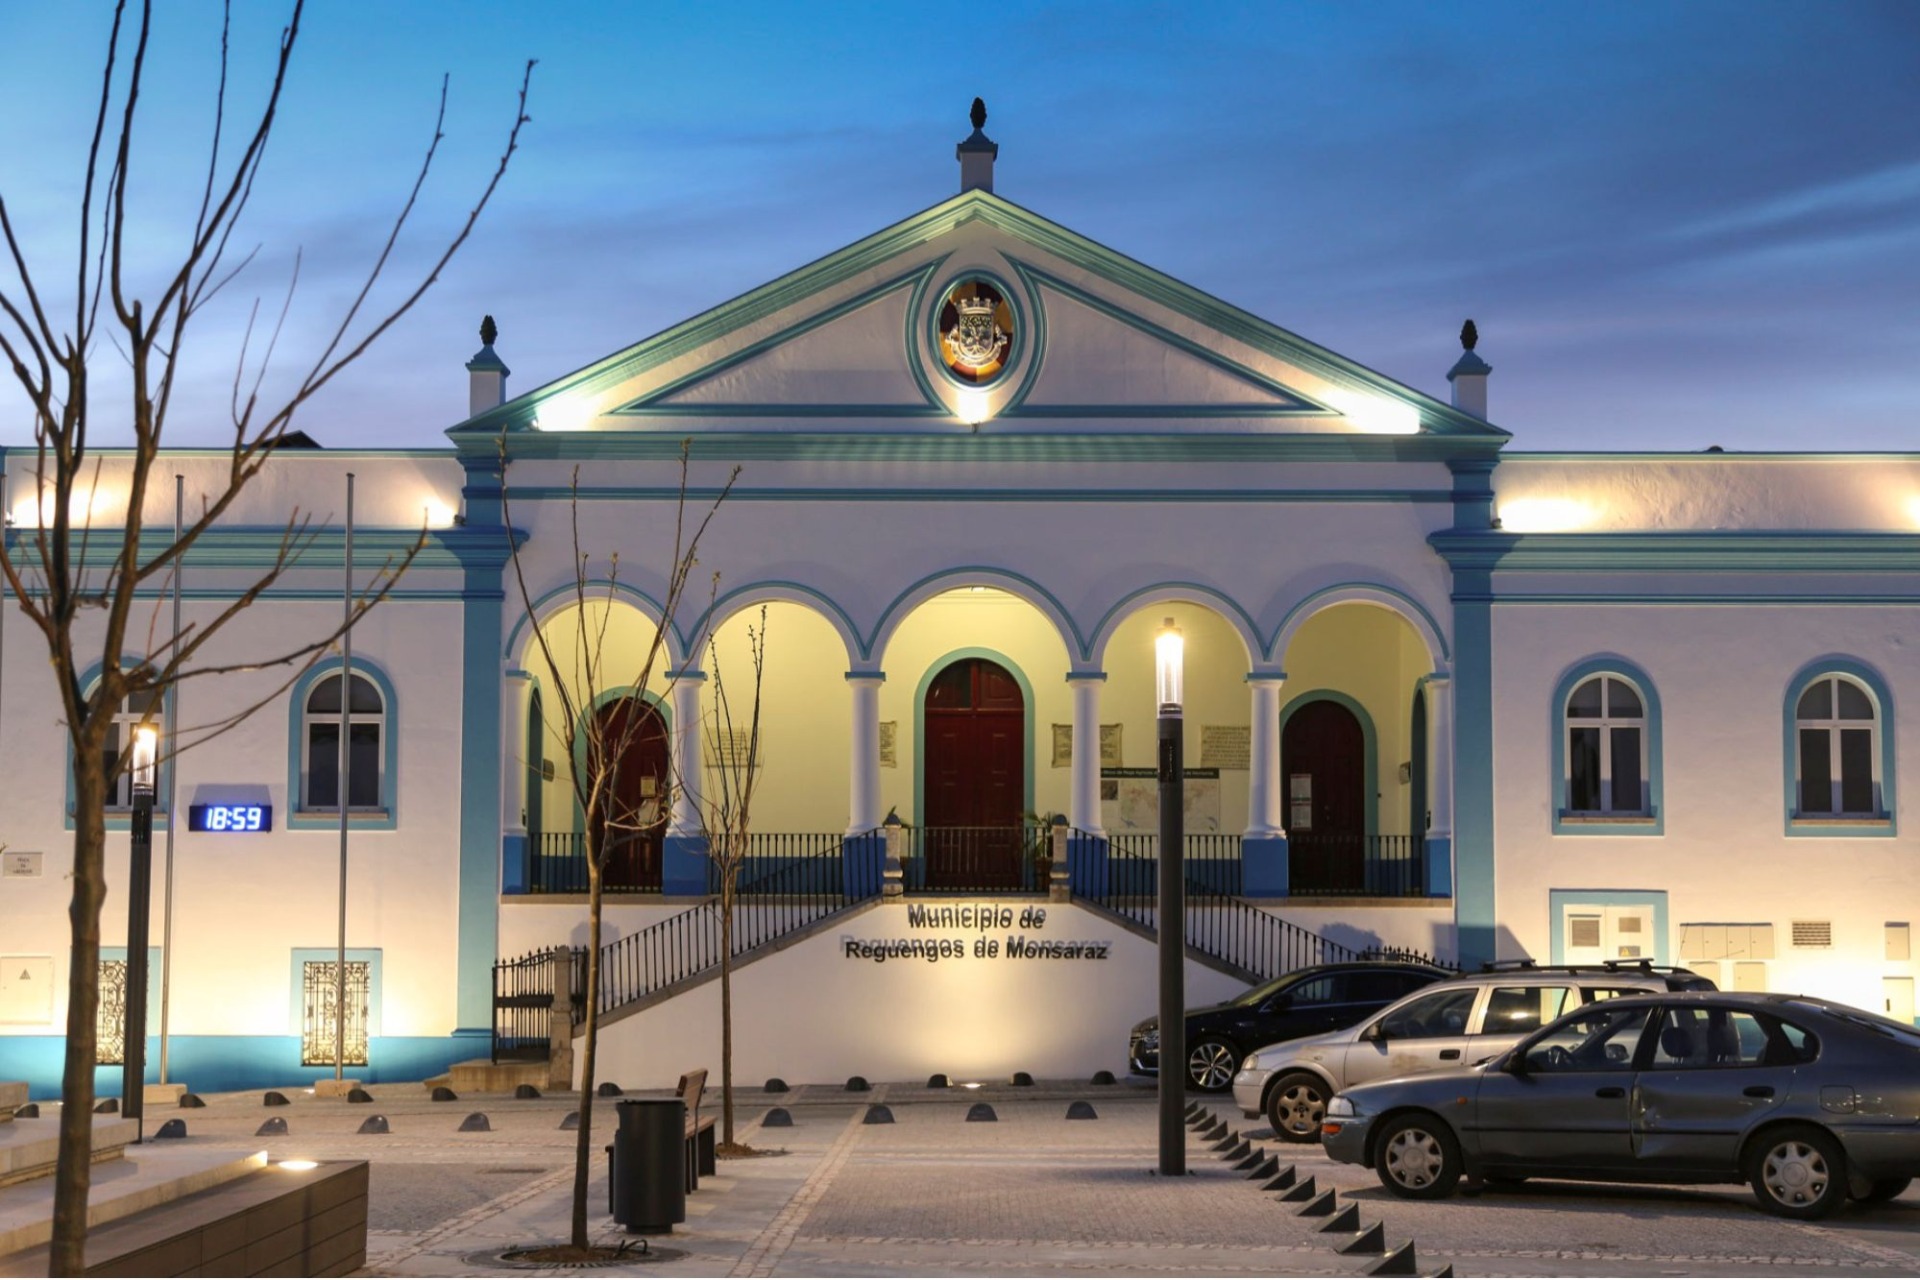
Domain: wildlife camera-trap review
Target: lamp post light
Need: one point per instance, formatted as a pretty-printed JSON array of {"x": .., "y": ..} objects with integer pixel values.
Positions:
[
  {"x": 1168, "y": 653},
  {"x": 133, "y": 1058}
]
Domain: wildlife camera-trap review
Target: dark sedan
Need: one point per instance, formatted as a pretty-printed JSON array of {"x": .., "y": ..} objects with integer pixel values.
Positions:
[
  {"x": 1305, "y": 1002},
  {"x": 1808, "y": 1101}
]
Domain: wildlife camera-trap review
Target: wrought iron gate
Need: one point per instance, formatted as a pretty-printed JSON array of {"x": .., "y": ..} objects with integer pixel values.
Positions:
[
  {"x": 318, "y": 1002},
  {"x": 110, "y": 1023}
]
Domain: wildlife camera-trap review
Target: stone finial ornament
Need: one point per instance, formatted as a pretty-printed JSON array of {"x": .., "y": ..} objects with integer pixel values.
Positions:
[
  {"x": 978, "y": 114},
  {"x": 489, "y": 331},
  {"x": 1469, "y": 336}
]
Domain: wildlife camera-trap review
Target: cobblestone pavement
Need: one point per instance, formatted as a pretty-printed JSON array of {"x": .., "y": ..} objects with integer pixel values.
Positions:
[{"x": 1031, "y": 1194}]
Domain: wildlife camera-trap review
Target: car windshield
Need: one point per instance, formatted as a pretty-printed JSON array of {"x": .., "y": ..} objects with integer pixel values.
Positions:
[
  {"x": 1259, "y": 994},
  {"x": 1898, "y": 1032}
]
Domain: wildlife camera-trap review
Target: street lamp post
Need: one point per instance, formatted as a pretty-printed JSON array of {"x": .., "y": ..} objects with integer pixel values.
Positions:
[
  {"x": 133, "y": 1058},
  {"x": 1168, "y": 649}
]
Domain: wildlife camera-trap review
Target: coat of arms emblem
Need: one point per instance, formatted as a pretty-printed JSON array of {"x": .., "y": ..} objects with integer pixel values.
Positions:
[{"x": 976, "y": 331}]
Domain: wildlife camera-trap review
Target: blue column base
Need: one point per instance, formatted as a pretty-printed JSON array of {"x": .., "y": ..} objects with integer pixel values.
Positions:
[
  {"x": 861, "y": 860},
  {"x": 683, "y": 867},
  {"x": 1089, "y": 869},
  {"x": 515, "y": 873},
  {"x": 1264, "y": 871},
  {"x": 1439, "y": 868}
]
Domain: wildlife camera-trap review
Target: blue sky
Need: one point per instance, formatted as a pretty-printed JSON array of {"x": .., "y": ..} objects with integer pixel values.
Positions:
[{"x": 1675, "y": 224}]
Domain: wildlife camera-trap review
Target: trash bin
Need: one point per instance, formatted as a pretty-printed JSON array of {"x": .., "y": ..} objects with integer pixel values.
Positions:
[{"x": 647, "y": 1182}]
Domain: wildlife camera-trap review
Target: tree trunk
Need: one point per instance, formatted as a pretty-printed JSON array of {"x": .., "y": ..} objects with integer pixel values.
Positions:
[
  {"x": 726, "y": 1003},
  {"x": 74, "y": 1176},
  {"x": 590, "y": 1031}
]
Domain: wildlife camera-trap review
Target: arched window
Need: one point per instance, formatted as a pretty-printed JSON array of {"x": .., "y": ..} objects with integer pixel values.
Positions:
[
  {"x": 1837, "y": 765},
  {"x": 138, "y": 709},
  {"x": 1606, "y": 751},
  {"x": 1606, "y": 748},
  {"x": 320, "y": 745}
]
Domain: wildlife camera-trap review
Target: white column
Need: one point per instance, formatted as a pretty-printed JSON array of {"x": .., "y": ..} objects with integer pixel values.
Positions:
[
  {"x": 687, "y": 764},
  {"x": 863, "y": 771},
  {"x": 1083, "y": 798},
  {"x": 513, "y": 745},
  {"x": 1265, "y": 817},
  {"x": 1439, "y": 758}
]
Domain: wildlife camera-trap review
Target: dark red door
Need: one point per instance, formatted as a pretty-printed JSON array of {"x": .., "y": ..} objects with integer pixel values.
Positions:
[
  {"x": 637, "y": 813},
  {"x": 974, "y": 776},
  {"x": 1323, "y": 777}
]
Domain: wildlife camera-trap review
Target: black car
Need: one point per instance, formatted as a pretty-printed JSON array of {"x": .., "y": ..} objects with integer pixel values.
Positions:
[{"x": 1324, "y": 997}]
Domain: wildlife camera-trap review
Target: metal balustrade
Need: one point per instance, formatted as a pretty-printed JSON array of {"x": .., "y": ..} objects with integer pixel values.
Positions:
[
  {"x": 960, "y": 860},
  {"x": 559, "y": 865}
]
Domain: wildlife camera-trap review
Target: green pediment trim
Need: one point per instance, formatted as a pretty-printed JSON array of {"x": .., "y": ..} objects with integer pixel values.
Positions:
[
  {"x": 989, "y": 445},
  {"x": 914, "y": 281},
  {"x": 1291, "y": 403},
  {"x": 740, "y": 493},
  {"x": 243, "y": 547},
  {"x": 1755, "y": 552},
  {"x": 872, "y": 253}
]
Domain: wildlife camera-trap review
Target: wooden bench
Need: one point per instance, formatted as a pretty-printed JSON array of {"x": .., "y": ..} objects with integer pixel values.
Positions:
[{"x": 700, "y": 1135}]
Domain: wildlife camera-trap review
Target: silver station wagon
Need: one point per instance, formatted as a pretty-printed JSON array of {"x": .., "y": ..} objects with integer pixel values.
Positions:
[
  {"x": 1808, "y": 1101},
  {"x": 1448, "y": 1024}
]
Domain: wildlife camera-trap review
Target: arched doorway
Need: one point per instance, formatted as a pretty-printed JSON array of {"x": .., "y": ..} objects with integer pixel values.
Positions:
[
  {"x": 974, "y": 769},
  {"x": 1323, "y": 769},
  {"x": 637, "y": 819}
]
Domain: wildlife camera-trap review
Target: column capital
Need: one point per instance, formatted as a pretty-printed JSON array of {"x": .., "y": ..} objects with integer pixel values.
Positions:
[
  {"x": 1266, "y": 676},
  {"x": 515, "y": 673},
  {"x": 1076, "y": 677},
  {"x": 1438, "y": 679},
  {"x": 867, "y": 677},
  {"x": 691, "y": 675}
]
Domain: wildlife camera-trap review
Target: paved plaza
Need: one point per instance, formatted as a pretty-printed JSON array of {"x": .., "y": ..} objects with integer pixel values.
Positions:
[{"x": 1030, "y": 1194}]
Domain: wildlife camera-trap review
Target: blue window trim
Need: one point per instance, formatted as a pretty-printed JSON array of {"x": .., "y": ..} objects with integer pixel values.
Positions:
[
  {"x": 1887, "y": 825},
  {"x": 1655, "y": 823},
  {"x": 122, "y": 819},
  {"x": 1558, "y": 899},
  {"x": 388, "y": 817},
  {"x": 934, "y": 668},
  {"x": 301, "y": 955},
  {"x": 1370, "y": 747}
]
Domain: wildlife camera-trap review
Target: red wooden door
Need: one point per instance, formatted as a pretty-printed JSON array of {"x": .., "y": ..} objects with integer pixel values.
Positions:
[
  {"x": 974, "y": 771},
  {"x": 634, "y": 731},
  {"x": 1323, "y": 777}
]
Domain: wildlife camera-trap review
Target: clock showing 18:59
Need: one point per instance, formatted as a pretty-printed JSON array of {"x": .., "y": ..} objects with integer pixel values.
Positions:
[{"x": 236, "y": 818}]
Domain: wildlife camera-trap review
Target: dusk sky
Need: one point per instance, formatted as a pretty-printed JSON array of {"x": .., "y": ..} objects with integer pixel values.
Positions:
[{"x": 1676, "y": 225}]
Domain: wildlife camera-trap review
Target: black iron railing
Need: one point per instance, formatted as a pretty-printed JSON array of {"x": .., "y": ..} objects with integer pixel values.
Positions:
[
  {"x": 1119, "y": 873},
  {"x": 523, "y": 995},
  {"x": 559, "y": 865},
  {"x": 1003, "y": 859},
  {"x": 1360, "y": 866}
]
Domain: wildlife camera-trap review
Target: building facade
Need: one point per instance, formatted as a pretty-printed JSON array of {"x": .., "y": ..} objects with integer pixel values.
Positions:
[{"x": 1441, "y": 694}]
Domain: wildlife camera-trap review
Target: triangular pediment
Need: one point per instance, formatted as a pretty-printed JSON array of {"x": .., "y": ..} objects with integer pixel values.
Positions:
[{"x": 1082, "y": 338}]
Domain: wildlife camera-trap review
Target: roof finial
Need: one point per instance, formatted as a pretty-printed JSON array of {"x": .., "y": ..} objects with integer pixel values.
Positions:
[
  {"x": 488, "y": 331},
  {"x": 979, "y": 113},
  {"x": 1469, "y": 335}
]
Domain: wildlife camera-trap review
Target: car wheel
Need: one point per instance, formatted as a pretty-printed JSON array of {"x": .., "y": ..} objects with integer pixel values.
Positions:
[
  {"x": 1418, "y": 1157},
  {"x": 1210, "y": 1065},
  {"x": 1296, "y": 1105},
  {"x": 1885, "y": 1189},
  {"x": 1798, "y": 1172}
]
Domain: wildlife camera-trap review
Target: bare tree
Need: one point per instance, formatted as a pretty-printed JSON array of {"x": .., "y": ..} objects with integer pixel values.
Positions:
[
  {"x": 579, "y": 675},
  {"x": 726, "y": 819},
  {"x": 47, "y": 569}
]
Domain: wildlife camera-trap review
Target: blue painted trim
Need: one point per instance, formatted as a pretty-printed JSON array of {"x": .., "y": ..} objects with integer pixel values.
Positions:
[
  {"x": 979, "y": 575},
  {"x": 1155, "y": 494},
  {"x": 597, "y": 590},
  {"x": 1766, "y": 552},
  {"x": 1301, "y": 613},
  {"x": 1264, "y": 868},
  {"x": 1655, "y": 823},
  {"x": 217, "y": 1064},
  {"x": 1557, "y": 899},
  {"x": 301, "y": 956},
  {"x": 261, "y": 547},
  {"x": 1877, "y": 689},
  {"x": 388, "y": 818},
  {"x": 1212, "y": 599},
  {"x": 481, "y": 759},
  {"x": 1439, "y": 852},
  {"x": 920, "y": 719},
  {"x": 782, "y": 591},
  {"x": 1474, "y": 867},
  {"x": 516, "y": 872},
  {"x": 683, "y": 866},
  {"x": 1368, "y": 737},
  {"x": 118, "y": 819}
]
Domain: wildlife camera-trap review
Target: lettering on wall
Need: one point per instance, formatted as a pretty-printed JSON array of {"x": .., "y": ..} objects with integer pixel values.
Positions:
[
  {"x": 988, "y": 923},
  {"x": 1112, "y": 755},
  {"x": 889, "y": 744},
  {"x": 1226, "y": 746},
  {"x": 24, "y": 865}
]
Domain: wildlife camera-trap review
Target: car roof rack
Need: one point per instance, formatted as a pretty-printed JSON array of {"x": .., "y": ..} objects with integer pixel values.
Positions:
[{"x": 1594, "y": 966}]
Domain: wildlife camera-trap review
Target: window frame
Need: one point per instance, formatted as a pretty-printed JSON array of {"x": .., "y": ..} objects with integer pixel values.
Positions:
[
  {"x": 1650, "y": 820},
  {"x": 1880, "y": 824},
  {"x": 119, "y": 817},
  {"x": 385, "y": 816}
]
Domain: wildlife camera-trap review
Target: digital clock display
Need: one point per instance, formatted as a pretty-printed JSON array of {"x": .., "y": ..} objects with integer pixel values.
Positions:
[{"x": 230, "y": 817}]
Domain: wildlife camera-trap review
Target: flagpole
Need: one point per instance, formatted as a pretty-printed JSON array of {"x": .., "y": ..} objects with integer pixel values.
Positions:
[
  {"x": 173, "y": 810},
  {"x": 346, "y": 729}
]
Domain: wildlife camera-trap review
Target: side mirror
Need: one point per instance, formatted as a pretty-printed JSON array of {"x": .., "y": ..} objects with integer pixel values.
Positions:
[
  {"x": 1513, "y": 1062},
  {"x": 1278, "y": 1004},
  {"x": 1377, "y": 1033}
]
